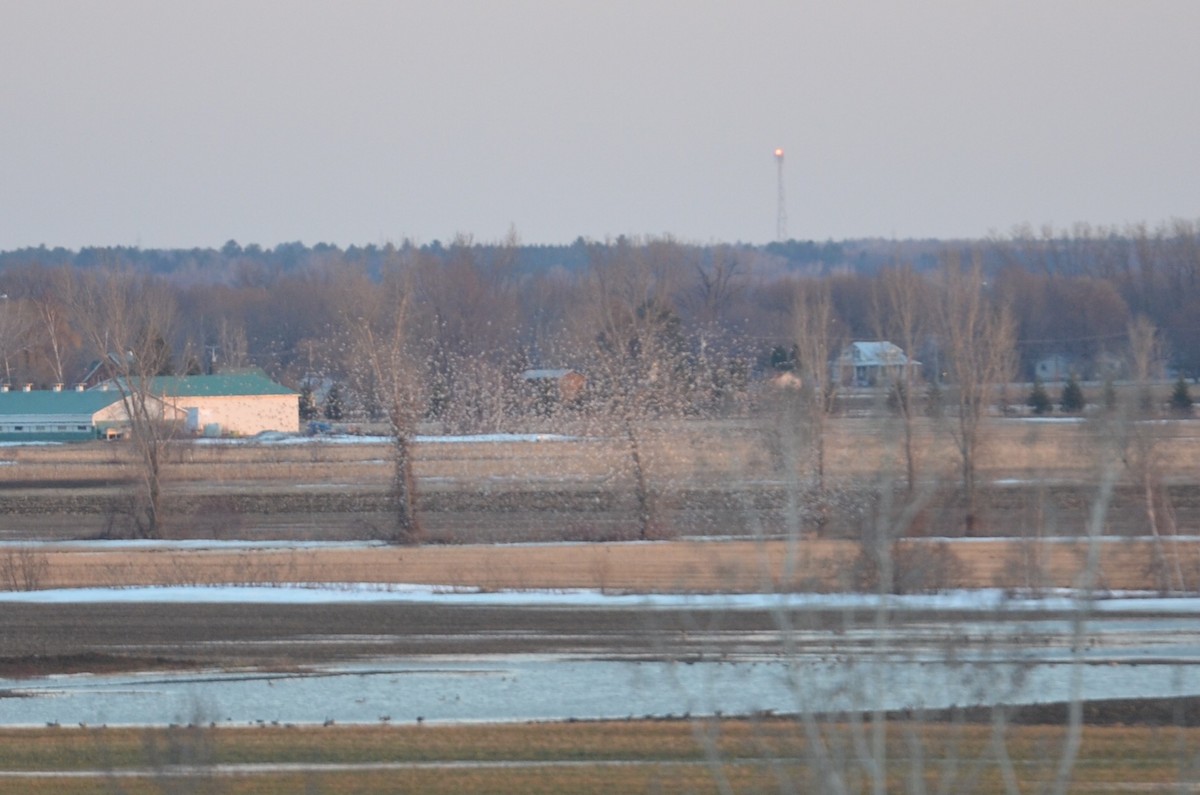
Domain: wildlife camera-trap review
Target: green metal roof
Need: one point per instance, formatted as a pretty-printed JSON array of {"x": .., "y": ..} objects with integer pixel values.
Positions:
[
  {"x": 241, "y": 383},
  {"x": 48, "y": 402},
  {"x": 223, "y": 384}
]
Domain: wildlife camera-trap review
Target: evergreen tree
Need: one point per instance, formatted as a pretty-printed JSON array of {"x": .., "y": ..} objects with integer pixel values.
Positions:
[
  {"x": 1110, "y": 396},
  {"x": 783, "y": 359},
  {"x": 897, "y": 399},
  {"x": 1181, "y": 398},
  {"x": 1039, "y": 401},
  {"x": 1072, "y": 401},
  {"x": 192, "y": 366},
  {"x": 334, "y": 408},
  {"x": 933, "y": 400},
  {"x": 308, "y": 404}
]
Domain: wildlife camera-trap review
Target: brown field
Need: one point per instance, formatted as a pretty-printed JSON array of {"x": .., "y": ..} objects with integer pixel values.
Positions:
[
  {"x": 725, "y": 480},
  {"x": 708, "y": 479},
  {"x": 669, "y": 566}
]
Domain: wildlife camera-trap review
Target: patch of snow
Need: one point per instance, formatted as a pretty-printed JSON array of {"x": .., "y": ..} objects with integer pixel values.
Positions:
[
  {"x": 272, "y": 437},
  {"x": 212, "y": 544},
  {"x": 294, "y": 439},
  {"x": 989, "y": 600},
  {"x": 1081, "y": 539},
  {"x": 208, "y": 544},
  {"x": 497, "y": 437}
]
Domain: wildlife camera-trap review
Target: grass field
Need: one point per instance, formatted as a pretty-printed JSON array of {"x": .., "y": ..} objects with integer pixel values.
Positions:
[
  {"x": 689, "y": 450},
  {"x": 767, "y": 755}
]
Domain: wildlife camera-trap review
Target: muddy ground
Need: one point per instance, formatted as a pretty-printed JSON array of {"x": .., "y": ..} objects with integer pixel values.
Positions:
[
  {"x": 41, "y": 639},
  {"x": 44, "y": 639}
]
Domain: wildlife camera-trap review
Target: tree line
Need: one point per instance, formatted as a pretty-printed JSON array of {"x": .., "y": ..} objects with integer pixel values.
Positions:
[
  {"x": 659, "y": 327},
  {"x": 485, "y": 311}
]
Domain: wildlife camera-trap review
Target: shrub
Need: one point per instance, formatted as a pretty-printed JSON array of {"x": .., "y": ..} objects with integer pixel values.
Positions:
[
  {"x": 1039, "y": 401},
  {"x": 933, "y": 400},
  {"x": 334, "y": 410},
  {"x": 1110, "y": 396},
  {"x": 22, "y": 569},
  {"x": 1072, "y": 401},
  {"x": 1181, "y": 398},
  {"x": 925, "y": 567}
]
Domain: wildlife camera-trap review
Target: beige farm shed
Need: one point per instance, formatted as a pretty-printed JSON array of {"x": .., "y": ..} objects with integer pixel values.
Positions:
[{"x": 241, "y": 403}]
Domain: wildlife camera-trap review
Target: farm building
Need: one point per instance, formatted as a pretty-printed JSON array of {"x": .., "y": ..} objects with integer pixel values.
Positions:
[
  {"x": 1055, "y": 367},
  {"x": 54, "y": 415},
  {"x": 550, "y": 388},
  {"x": 870, "y": 363},
  {"x": 240, "y": 403}
]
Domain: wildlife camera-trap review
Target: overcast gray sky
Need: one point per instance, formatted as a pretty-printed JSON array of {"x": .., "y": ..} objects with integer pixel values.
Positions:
[{"x": 179, "y": 124}]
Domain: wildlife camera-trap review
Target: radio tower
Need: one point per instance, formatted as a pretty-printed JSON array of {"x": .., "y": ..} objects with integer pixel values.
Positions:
[{"x": 781, "y": 211}]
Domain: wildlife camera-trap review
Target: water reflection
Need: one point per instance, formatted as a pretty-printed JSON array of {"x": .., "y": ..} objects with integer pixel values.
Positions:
[{"x": 558, "y": 688}]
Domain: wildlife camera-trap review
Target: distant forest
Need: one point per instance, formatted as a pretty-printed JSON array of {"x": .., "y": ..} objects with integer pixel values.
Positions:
[
  {"x": 223, "y": 264},
  {"x": 484, "y": 310}
]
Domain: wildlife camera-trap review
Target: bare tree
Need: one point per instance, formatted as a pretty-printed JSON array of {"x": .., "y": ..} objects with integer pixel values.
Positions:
[
  {"x": 1141, "y": 451},
  {"x": 231, "y": 346},
  {"x": 16, "y": 323},
  {"x": 125, "y": 319},
  {"x": 901, "y": 315},
  {"x": 721, "y": 279},
  {"x": 470, "y": 315},
  {"x": 634, "y": 341},
  {"x": 377, "y": 319},
  {"x": 52, "y": 319},
  {"x": 816, "y": 338},
  {"x": 977, "y": 338},
  {"x": 1145, "y": 356}
]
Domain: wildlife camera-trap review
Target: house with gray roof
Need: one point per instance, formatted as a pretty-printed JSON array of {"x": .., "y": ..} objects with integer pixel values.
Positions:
[{"x": 871, "y": 363}]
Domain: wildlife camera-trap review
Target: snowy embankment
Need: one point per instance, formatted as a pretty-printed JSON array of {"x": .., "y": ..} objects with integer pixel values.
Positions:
[{"x": 986, "y": 600}]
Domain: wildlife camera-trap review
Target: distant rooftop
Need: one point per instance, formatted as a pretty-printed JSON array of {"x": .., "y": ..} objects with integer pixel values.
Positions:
[
  {"x": 241, "y": 383},
  {"x": 537, "y": 375},
  {"x": 50, "y": 402},
  {"x": 875, "y": 353}
]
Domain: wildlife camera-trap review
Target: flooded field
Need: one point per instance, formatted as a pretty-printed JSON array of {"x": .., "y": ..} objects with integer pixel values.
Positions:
[
  {"x": 411, "y": 661},
  {"x": 523, "y": 688}
]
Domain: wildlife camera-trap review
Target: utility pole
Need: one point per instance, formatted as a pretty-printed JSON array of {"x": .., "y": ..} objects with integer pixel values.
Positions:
[{"x": 781, "y": 211}]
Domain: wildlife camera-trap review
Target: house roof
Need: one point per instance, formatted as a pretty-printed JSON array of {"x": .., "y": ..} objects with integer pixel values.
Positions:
[
  {"x": 50, "y": 403},
  {"x": 242, "y": 383},
  {"x": 877, "y": 353},
  {"x": 537, "y": 375}
]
